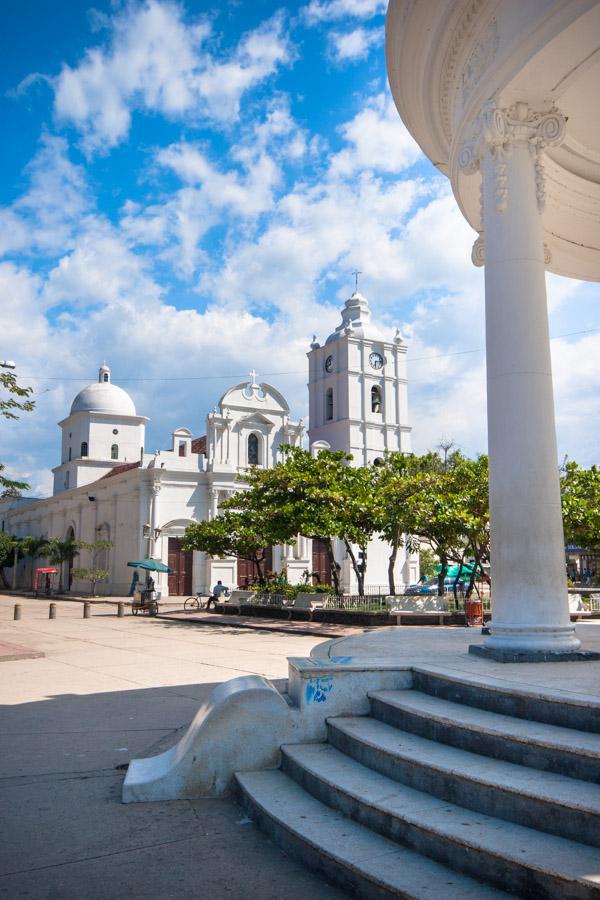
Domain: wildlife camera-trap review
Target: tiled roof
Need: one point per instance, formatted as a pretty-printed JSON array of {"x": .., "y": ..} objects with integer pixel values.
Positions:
[
  {"x": 118, "y": 470},
  {"x": 199, "y": 445}
]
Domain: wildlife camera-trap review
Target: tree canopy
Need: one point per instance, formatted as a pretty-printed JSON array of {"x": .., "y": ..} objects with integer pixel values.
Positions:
[
  {"x": 580, "y": 492},
  {"x": 13, "y": 401}
]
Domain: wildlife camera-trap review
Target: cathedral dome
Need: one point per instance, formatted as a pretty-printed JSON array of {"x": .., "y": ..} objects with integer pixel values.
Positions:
[
  {"x": 103, "y": 397},
  {"x": 356, "y": 320}
]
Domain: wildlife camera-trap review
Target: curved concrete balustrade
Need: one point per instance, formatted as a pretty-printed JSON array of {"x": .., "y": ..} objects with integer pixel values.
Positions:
[{"x": 241, "y": 725}]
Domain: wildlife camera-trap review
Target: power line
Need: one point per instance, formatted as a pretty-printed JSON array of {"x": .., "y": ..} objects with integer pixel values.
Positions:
[{"x": 230, "y": 377}]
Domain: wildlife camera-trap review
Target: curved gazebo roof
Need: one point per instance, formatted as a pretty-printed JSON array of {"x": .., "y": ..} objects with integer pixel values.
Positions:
[{"x": 446, "y": 58}]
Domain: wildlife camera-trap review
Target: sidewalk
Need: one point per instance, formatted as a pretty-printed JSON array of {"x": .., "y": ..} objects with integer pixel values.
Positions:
[{"x": 108, "y": 690}]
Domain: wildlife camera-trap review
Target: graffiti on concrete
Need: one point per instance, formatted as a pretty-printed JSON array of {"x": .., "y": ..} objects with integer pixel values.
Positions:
[{"x": 317, "y": 689}]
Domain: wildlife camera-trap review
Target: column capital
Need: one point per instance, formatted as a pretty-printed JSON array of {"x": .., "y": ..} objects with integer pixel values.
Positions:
[
  {"x": 498, "y": 130},
  {"x": 478, "y": 252}
]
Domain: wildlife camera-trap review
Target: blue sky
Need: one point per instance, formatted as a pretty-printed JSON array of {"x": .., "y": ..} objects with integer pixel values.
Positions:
[{"x": 185, "y": 191}]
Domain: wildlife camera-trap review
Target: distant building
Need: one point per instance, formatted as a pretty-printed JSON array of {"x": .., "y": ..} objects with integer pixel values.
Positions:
[{"x": 107, "y": 487}]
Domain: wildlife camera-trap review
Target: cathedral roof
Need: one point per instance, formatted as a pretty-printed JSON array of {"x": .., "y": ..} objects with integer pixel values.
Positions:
[
  {"x": 104, "y": 397},
  {"x": 356, "y": 320},
  {"x": 118, "y": 470}
]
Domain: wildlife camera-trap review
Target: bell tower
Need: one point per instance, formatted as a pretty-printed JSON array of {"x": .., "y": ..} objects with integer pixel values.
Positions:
[{"x": 358, "y": 391}]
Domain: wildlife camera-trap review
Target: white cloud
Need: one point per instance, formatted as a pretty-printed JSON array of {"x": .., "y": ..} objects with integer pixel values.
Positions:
[
  {"x": 239, "y": 189},
  {"x": 258, "y": 55},
  {"x": 376, "y": 139},
  {"x": 156, "y": 62},
  {"x": 352, "y": 46},
  {"x": 99, "y": 271},
  {"x": 45, "y": 216},
  {"x": 333, "y": 10}
]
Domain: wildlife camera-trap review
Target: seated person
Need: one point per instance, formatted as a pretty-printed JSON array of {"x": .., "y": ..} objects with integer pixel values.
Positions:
[{"x": 217, "y": 591}]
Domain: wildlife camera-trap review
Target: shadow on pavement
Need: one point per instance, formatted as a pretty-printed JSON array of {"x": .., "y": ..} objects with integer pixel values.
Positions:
[{"x": 64, "y": 832}]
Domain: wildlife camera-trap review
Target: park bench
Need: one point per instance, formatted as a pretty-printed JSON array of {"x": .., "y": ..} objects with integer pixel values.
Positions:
[{"x": 235, "y": 600}]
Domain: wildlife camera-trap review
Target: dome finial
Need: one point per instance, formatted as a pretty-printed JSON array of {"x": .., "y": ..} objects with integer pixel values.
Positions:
[{"x": 104, "y": 373}]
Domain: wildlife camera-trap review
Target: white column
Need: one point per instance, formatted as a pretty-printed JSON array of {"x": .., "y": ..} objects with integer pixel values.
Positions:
[
  {"x": 154, "y": 541},
  {"x": 142, "y": 518},
  {"x": 529, "y": 592},
  {"x": 213, "y": 495}
]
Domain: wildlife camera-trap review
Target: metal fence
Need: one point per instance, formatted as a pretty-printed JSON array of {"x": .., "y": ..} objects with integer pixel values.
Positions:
[
  {"x": 591, "y": 603},
  {"x": 357, "y": 602}
]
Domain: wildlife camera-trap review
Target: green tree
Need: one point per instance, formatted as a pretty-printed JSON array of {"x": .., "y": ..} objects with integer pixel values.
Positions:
[
  {"x": 13, "y": 400},
  {"x": 398, "y": 483},
  {"x": 92, "y": 575},
  {"x": 299, "y": 495},
  {"x": 428, "y": 563},
  {"x": 232, "y": 533},
  {"x": 319, "y": 497},
  {"x": 7, "y": 553},
  {"x": 59, "y": 551},
  {"x": 357, "y": 512},
  {"x": 32, "y": 548},
  {"x": 470, "y": 487},
  {"x": 580, "y": 495}
]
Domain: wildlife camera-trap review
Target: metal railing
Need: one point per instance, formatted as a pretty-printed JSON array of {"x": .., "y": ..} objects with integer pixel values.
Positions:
[{"x": 377, "y": 603}]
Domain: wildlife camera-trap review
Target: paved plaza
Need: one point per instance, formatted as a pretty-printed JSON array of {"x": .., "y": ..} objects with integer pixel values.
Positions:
[
  {"x": 110, "y": 689},
  {"x": 107, "y": 690}
]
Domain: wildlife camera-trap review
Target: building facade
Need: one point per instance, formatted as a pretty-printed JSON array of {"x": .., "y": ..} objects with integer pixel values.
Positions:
[{"x": 107, "y": 487}]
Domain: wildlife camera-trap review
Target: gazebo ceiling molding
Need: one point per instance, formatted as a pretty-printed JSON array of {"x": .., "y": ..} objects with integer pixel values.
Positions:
[{"x": 446, "y": 58}]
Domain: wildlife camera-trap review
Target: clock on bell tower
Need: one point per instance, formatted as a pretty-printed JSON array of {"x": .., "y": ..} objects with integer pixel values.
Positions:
[{"x": 358, "y": 394}]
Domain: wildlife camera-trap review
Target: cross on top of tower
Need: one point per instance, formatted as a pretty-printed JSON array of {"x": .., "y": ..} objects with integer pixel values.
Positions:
[
  {"x": 356, "y": 273},
  {"x": 253, "y": 378}
]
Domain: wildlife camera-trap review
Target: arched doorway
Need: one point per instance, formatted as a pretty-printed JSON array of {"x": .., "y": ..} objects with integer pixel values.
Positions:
[{"x": 181, "y": 578}]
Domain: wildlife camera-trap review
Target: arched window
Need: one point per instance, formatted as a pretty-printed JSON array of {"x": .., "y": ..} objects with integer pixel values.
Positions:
[
  {"x": 182, "y": 448},
  {"x": 375, "y": 399},
  {"x": 69, "y": 454},
  {"x": 329, "y": 404},
  {"x": 105, "y": 376},
  {"x": 114, "y": 451},
  {"x": 253, "y": 459},
  {"x": 84, "y": 448}
]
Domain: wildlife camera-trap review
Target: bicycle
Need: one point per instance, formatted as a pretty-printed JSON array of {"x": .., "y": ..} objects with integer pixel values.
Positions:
[{"x": 198, "y": 601}]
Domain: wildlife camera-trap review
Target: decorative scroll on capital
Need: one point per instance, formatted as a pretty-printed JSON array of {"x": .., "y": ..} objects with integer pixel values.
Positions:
[
  {"x": 497, "y": 130},
  {"x": 478, "y": 252}
]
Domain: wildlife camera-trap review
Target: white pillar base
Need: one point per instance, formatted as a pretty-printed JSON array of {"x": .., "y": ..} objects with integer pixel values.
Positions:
[{"x": 533, "y": 638}]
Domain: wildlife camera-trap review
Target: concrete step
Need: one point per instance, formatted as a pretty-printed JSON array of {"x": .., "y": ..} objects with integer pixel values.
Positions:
[
  {"x": 363, "y": 863},
  {"x": 566, "y": 709},
  {"x": 550, "y": 748},
  {"x": 517, "y": 859},
  {"x": 542, "y": 800}
]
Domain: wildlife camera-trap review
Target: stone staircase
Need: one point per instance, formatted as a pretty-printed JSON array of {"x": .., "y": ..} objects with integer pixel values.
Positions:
[{"x": 448, "y": 790}]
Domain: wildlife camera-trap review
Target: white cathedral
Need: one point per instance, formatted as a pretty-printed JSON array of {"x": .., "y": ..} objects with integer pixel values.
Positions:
[{"x": 107, "y": 487}]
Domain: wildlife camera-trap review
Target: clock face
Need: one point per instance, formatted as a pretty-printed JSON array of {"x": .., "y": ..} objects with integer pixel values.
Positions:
[
  {"x": 329, "y": 364},
  {"x": 376, "y": 360}
]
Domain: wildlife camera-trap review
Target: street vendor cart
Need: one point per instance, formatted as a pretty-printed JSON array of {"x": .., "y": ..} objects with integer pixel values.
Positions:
[{"x": 146, "y": 598}]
